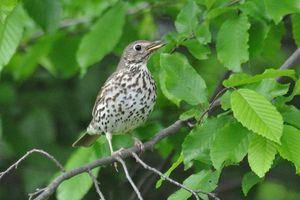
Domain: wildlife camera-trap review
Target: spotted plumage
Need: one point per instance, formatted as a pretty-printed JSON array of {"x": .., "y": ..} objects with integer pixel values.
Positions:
[{"x": 127, "y": 97}]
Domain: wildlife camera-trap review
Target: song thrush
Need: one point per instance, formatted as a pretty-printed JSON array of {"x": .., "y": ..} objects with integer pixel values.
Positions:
[{"x": 127, "y": 97}]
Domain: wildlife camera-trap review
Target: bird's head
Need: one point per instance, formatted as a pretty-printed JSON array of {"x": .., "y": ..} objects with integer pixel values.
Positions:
[{"x": 140, "y": 51}]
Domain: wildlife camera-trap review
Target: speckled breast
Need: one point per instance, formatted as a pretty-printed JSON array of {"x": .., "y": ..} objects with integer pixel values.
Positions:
[{"x": 129, "y": 99}]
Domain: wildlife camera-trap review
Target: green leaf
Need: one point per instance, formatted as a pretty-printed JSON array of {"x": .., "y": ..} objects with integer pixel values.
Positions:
[
  {"x": 102, "y": 38},
  {"x": 76, "y": 187},
  {"x": 242, "y": 79},
  {"x": 46, "y": 13},
  {"x": 257, "y": 114},
  {"x": 181, "y": 80},
  {"x": 261, "y": 154},
  {"x": 147, "y": 28},
  {"x": 272, "y": 42},
  {"x": 249, "y": 180},
  {"x": 192, "y": 113},
  {"x": 6, "y": 7},
  {"x": 27, "y": 64},
  {"x": 290, "y": 145},
  {"x": 230, "y": 145},
  {"x": 170, "y": 170},
  {"x": 198, "y": 142},
  {"x": 257, "y": 35},
  {"x": 270, "y": 88},
  {"x": 187, "y": 19},
  {"x": 10, "y": 35},
  {"x": 216, "y": 12},
  {"x": 292, "y": 116},
  {"x": 296, "y": 28},
  {"x": 197, "y": 49},
  {"x": 225, "y": 100},
  {"x": 296, "y": 90},
  {"x": 63, "y": 56},
  {"x": 232, "y": 42},
  {"x": 205, "y": 180},
  {"x": 277, "y": 8},
  {"x": 203, "y": 34}
]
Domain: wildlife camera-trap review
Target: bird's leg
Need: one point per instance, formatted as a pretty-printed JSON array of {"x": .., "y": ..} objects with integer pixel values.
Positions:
[
  {"x": 112, "y": 153},
  {"x": 109, "y": 138}
]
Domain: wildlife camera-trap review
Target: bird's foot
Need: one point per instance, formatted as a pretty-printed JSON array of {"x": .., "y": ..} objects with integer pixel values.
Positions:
[
  {"x": 139, "y": 144},
  {"x": 117, "y": 153}
]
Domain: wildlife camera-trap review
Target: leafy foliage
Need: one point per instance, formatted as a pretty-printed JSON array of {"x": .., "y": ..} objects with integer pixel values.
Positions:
[
  {"x": 232, "y": 42},
  {"x": 257, "y": 114},
  {"x": 89, "y": 49}
]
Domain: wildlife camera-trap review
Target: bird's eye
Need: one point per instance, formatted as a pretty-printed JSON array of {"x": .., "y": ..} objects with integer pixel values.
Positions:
[{"x": 137, "y": 47}]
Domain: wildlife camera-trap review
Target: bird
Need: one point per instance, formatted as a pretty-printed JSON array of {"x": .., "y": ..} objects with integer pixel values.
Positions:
[{"x": 126, "y": 99}]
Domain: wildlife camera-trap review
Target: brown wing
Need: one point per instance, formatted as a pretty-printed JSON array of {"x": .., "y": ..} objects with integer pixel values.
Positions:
[{"x": 101, "y": 93}]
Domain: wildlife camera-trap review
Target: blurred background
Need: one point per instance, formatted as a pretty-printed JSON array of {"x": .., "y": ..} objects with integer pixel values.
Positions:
[{"x": 47, "y": 94}]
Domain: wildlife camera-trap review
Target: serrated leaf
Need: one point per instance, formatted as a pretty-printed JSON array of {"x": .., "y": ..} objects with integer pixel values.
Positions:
[
  {"x": 290, "y": 145},
  {"x": 232, "y": 42},
  {"x": 205, "y": 180},
  {"x": 187, "y": 19},
  {"x": 261, "y": 154},
  {"x": 197, "y": 49},
  {"x": 277, "y": 8},
  {"x": 242, "y": 79},
  {"x": 170, "y": 170},
  {"x": 46, "y": 13},
  {"x": 11, "y": 32},
  {"x": 296, "y": 28},
  {"x": 97, "y": 42},
  {"x": 230, "y": 145},
  {"x": 256, "y": 113},
  {"x": 71, "y": 189},
  {"x": 249, "y": 180},
  {"x": 181, "y": 80},
  {"x": 6, "y": 7},
  {"x": 197, "y": 144}
]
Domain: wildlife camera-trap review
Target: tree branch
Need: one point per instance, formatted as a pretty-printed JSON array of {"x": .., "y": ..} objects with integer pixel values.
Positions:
[
  {"x": 50, "y": 189},
  {"x": 120, "y": 160},
  {"x": 44, "y": 153},
  {"x": 96, "y": 185},
  {"x": 194, "y": 192}
]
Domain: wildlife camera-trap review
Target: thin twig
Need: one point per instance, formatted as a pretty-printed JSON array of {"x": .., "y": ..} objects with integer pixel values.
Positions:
[
  {"x": 96, "y": 184},
  {"x": 194, "y": 192},
  {"x": 44, "y": 153},
  {"x": 36, "y": 193},
  {"x": 120, "y": 160}
]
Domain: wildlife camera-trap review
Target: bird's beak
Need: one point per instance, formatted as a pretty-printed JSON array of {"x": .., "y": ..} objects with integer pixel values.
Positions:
[{"x": 155, "y": 45}]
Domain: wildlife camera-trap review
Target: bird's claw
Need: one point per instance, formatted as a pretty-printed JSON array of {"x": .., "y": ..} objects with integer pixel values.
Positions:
[{"x": 139, "y": 144}]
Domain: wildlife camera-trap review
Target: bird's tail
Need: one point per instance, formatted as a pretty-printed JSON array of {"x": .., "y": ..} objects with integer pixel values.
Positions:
[{"x": 86, "y": 140}]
